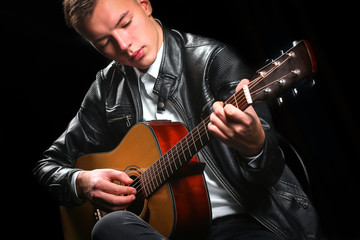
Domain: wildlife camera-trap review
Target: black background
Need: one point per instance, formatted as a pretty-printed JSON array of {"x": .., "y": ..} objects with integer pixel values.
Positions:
[{"x": 47, "y": 68}]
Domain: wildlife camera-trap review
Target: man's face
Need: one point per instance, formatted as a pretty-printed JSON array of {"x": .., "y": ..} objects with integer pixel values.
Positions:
[{"x": 124, "y": 31}]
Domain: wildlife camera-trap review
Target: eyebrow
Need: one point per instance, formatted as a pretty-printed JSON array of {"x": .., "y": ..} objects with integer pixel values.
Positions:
[{"x": 122, "y": 16}]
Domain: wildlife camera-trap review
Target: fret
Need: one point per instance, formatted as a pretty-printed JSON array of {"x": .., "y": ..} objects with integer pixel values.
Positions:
[
  {"x": 147, "y": 181},
  {"x": 181, "y": 152},
  {"x": 194, "y": 143},
  {"x": 206, "y": 130},
  {"x": 169, "y": 165},
  {"x": 237, "y": 105},
  {"x": 163, "y": 174},
  {"x": 137, "y": 184},
  {"x": 146, "y": 184},
  {"x": 154, "y": 177},
  {"x": 178, "y": 150},
  {"x": 202, "y": 144},
  {"x": 187, "y": 143},
  {"x": 176, "y": 156},
  {"x": 142, "y": 185},
  {"x": 151, "y": 179},
  {"x": 142, "y": 190},
  {"x": 173, "y": 164},
  {"x": 167, "y": 173},
  {"x": 157, "y": 172}
]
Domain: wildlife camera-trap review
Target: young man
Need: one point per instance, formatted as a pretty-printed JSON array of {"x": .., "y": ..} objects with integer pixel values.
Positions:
[{"x": 158, "y": 74}]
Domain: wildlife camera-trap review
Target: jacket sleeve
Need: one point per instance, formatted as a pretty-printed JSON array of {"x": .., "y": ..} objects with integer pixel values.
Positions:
[
  {"x": 225, "y": 71},
  {"x": 86, "y": 133}
]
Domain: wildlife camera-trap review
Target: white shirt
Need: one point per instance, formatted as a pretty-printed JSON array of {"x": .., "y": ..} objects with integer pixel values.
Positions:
[
  {"x": 149, "y": 99},
  {"x": 222, "y": 203}
]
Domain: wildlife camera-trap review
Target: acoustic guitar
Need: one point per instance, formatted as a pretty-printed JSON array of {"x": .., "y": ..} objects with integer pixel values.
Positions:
[{"x": 161, "y": 158}]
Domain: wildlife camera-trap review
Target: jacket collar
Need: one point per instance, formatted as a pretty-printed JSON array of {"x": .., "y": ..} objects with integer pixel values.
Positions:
[
  {"x": 170, "y": 68},
  {"x": 169, "y": 73}
]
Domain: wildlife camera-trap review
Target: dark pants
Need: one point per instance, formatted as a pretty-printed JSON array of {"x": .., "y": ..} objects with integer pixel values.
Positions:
[{"x": 126, "y": 225}]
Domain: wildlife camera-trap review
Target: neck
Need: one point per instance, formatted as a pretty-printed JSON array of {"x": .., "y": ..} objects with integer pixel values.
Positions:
[{"x": 143, "y": 70}]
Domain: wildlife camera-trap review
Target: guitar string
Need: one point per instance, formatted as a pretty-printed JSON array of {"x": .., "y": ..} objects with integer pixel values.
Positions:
[
  {"x": 267, "y": 85},
  {"x": 234, "y": 100}
]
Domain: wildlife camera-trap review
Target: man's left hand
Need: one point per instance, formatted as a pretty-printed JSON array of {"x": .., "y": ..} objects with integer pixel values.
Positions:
[{"x": 241, "y": 130}]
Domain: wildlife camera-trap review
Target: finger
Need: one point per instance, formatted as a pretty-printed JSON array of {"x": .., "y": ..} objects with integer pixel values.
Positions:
[
  {"x": 234, "y": 128},
  {"x": 218, "y": 120},
  {"x": 219, "y": 127},
  {"x": 120, "y": 176},
  {"x": 112, "y": 202},
  {"x": 241, "y": 84},
  {"x": 214, "y": 130},
  {"x": 110, "y": 182},
  {"x": 218, "y": 110},
  {"x": 235, "y": 115},
  {"x": 116, "y": 189}
]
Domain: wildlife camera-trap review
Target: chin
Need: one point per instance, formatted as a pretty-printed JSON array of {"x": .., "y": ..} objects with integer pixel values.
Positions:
[{"x": 144, "y": 64}]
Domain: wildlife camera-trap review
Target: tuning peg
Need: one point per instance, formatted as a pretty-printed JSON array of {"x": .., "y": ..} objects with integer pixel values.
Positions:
[
  {"x": 280, "y": 101},
  {"x": 312, "y": 83},
  {"x": 294, "y": 92},
  {"x": 294, "y": 43},
  {"x": 267, "y": 61}
]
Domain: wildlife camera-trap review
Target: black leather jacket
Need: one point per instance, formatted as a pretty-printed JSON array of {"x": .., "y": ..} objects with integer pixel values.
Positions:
[{"x": 194, "y": 72}]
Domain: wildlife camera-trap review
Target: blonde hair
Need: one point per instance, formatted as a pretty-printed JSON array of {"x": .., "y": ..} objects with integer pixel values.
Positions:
[{"x": 75, "y": 11}]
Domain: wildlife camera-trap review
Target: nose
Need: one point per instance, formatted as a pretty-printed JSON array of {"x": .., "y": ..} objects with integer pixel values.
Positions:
[{"x": 122, "y": 40}]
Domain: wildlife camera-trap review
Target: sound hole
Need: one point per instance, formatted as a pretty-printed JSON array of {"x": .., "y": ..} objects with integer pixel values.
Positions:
[{"x": 138, "y": 207}]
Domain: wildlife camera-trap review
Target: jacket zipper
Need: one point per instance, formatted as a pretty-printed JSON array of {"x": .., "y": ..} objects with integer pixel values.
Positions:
[
  {"x": 302, "y": 201},
  {"x": 128, "y": 118},
  {"x": 135, "y": 103}
]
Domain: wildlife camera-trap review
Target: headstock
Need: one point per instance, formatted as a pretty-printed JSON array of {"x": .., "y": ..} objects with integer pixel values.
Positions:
[{"x": 283, "y": 73}]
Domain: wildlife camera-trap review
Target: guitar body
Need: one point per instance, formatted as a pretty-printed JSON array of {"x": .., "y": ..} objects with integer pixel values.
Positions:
[{"x": 176, "y": 209}]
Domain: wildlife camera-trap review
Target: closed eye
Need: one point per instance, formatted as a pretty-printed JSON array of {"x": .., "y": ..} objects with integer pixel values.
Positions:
[
  {"x": 128, "y": 23},
  {"x": 106, "y": 42}
]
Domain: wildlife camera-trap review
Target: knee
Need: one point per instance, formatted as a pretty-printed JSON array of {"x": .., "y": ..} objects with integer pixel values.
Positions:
[{"x": 113, "y": 224}]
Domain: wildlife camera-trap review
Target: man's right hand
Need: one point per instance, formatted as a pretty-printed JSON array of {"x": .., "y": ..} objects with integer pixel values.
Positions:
[{"x": 98, "y": 187}]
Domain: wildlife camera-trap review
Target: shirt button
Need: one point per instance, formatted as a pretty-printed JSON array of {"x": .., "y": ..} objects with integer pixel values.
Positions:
[{"x": 161, "y": 105}]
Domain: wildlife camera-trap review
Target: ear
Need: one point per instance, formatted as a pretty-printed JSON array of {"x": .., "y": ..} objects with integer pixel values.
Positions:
[{"x": 146, "y": 5}]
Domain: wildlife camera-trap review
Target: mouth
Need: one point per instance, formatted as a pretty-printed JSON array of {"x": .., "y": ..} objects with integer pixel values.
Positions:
[{"x": 137, "y": 55}]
